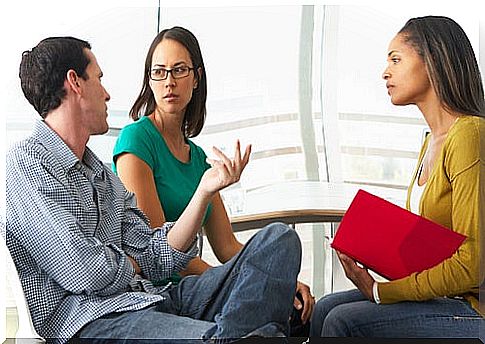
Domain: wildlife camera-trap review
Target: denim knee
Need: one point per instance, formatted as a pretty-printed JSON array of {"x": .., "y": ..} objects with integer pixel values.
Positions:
[
  {"x": 279, "y": 243},
  {"x": 279, "y": 231},
  {"x": 321, "y": 311},
  {"x": 337, "y": 323},
  {"x": 327, "y": 304}
]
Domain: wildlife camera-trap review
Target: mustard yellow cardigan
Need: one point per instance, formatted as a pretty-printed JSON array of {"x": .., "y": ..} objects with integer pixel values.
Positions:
[{"x": 451, "y": 198}]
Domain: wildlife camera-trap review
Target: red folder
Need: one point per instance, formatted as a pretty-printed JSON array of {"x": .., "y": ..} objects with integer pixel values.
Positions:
[{"x": 390, "y": 240}]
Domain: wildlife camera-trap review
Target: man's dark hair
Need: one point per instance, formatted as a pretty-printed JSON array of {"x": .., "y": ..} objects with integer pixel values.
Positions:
[{"x": 44, "y": 68}]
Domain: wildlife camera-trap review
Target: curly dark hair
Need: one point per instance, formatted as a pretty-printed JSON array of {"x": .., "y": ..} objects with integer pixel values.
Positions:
[{"x": 44, "y": 68}]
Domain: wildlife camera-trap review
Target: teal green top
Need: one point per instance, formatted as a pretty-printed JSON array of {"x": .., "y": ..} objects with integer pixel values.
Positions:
[{"x": 175, "y": 181}]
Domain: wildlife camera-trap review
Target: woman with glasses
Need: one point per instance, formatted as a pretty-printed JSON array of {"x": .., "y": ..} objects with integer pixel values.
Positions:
[
  {"x": 155, "y": 158},
  {"x": 430, "y": 63}
]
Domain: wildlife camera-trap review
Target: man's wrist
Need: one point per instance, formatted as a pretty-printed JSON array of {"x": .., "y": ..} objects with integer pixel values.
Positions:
[{"x": 203, "y": 195}]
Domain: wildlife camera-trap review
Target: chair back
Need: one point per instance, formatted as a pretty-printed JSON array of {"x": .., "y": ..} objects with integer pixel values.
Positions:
[{"x": 26, "y": 332}]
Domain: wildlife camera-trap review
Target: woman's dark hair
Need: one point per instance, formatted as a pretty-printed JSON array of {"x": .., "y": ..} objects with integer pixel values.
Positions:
[
  {"x": 450, "y": 61},
  {"x": 196, "y": 111},
  {"x": 44, "y": 68}
]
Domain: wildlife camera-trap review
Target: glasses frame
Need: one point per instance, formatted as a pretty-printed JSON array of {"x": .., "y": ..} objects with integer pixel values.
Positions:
[{"x": 170, "y": 71}]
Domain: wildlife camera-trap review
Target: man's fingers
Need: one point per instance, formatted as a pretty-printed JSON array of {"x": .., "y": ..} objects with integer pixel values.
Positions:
[
  {"x": 308, "y": 302},
  {"x": 247, "y": 153},
  {"x": 237, "y": 158},
  {"x": 297, "y": 303},
  {"x": 222, "y": 169},
  {"x": 223, "y": 157}
]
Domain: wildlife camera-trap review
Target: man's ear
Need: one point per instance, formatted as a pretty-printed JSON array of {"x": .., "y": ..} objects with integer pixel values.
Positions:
[{"x": 72, "y": 80}]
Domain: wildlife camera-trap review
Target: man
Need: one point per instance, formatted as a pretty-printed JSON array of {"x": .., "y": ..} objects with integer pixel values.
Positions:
[{"x": 86, "y": 254}]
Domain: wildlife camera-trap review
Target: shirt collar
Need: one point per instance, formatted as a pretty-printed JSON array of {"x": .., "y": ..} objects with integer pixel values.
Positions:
[
  {"x": 66, "y": 157},
  {"x": 93, "y": 161}
]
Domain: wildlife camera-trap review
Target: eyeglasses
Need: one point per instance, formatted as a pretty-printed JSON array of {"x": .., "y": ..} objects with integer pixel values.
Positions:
[{"x": 159, "y": 74}]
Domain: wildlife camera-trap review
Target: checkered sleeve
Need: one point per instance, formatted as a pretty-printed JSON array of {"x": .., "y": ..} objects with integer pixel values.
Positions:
[
  {"x": 150, "y": 248},
  {"x": 52, "y": 234}
]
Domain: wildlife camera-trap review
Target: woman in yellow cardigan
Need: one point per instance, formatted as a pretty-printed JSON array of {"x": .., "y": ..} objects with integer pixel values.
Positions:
[{"x": 430, "y": 64}]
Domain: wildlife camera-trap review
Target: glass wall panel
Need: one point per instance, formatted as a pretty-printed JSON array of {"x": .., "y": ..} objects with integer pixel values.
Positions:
[{"x": 378, "y": 142}]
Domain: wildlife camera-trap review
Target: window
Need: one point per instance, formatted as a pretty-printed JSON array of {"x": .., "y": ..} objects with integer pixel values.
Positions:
[
  {"x": 301, "y": 83},
  {"x": 376, "y": 142}
]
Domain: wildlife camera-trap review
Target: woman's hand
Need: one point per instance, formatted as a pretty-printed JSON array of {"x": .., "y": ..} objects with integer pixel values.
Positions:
[
  {"x": 359, "y": 276},
  {"x": 308, "y": 301},
  {"x": 225, "y": 171}
]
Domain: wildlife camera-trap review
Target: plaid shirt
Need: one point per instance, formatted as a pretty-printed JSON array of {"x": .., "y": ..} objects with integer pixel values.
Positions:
[{"x": 70, "y": 226}]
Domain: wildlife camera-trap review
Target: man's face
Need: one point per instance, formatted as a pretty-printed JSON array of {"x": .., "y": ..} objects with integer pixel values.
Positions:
[{"x": 94, "y": 97}]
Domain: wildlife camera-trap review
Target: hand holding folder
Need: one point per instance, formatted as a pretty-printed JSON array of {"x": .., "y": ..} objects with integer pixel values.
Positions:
[{"x": 390, "y": 240}]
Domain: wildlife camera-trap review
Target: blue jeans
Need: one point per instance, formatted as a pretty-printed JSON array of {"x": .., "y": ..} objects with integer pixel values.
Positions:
[
  {"x": 350, "y": 314},
  {"x": 250, "y": 295}
]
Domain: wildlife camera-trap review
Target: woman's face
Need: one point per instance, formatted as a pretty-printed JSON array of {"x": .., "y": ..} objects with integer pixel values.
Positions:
[
  {"x": 407, "y": 80},
  {"x": 172, "y": 95}
]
